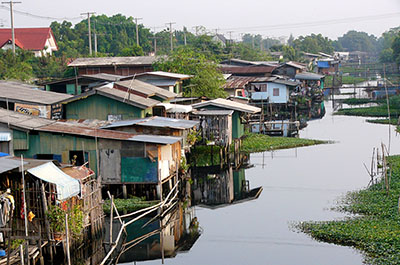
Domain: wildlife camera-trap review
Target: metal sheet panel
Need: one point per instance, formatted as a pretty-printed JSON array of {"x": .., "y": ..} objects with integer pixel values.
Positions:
[
  {"x": 138, "y": 170},
  {"x": 67, "y": 186},
  {"x": 7, "y": 164}
]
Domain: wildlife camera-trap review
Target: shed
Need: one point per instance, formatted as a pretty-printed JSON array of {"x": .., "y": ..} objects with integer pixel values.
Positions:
[
  {"x": 107, "y": 103},
  {"x": 168, "y": 81},
  {"x": 29, "y": 99},
  {"x": 144, "y": 89},
  {"x": 114, "y": 65},
  {"x": 273, "y": 90},
  {"x": 157, "y": 126},
  {"x": 240, "y": 110},
  {"x": 215, "y": 125},
  {"x": 311, "y": 79},
  {"x": 118, "y": 157}
]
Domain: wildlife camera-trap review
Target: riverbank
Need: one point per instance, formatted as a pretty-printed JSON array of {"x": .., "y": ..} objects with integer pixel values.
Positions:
[
  {"x": 253, "y": 143},
  {"x": 376, "y": 228}
]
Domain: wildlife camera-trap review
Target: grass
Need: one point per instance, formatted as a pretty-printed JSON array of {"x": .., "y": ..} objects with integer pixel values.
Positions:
[
  {"x": 376, "y": 230},
  {"x": 358, "y": 101},
  {"x": 383, "y": 121},
  {"x": 376, "y": 111},
  {"x": 202, "y": 155},
  {"x": 253, "y": 143},
  {"x": 128, "y": 205}
]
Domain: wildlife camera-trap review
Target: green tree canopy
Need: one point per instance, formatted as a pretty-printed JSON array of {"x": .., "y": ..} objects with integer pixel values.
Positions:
[
  {"x": 313, "y": 44},
  {"x": 206, "y": 81},
  {"x": 358, "y": 41}
]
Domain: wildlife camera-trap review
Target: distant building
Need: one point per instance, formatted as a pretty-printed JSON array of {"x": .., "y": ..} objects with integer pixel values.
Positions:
[
  {"x": 290, "y": 69},
  {"x": 168, "y": 81},
  {"x": 219, "y": 38},
  {"x": 40, "y": 41}
]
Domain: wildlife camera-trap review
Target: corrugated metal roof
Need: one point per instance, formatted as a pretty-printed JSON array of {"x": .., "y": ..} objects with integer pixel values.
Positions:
[
  {"x": 213, "y": 112},
  {"x": 21, "y": 120},
  {"x": 126, "y": 97},
  {"x": 296, "y": 65},
  {"x": 228, "y": 104},
  {"x": 7, "y": 164},
  {"x": 253, "y": 69},
  {"x": 166, "y": 74},
  {"x": 67, "y": 186},
  {"x": 240, "y": 82},
  {"x": 161, "y": 83},
  {"x": 25, "y": 93},
  {"x": 146, "y": 88},
  {"x": 111, "y": 61},
  {"x": 107, "y": 77},
  {"x": 309, "y": 76},
  {"x": 176, "y": 108},
  {"x": 156, "y": 121},
  {"x": 157, "y": 139}
]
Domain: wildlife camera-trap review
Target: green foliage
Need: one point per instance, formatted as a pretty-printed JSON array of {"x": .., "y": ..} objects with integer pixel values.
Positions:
[
  {"x": 245, "y": 51},
  {"x": 358, "y": 41},
  {"x": 56, "y": 215},
  {"x": 358, "y": 101},
  {"x": 313, "y": 44},
  {"x": 289, "y": 53},
  {"x": 384, "y": 121},
  {"x": 206, "y": 81},
  {"x": 396, "y": 48},
  {"x": 134, "y": 50},
  {"x": 377, "y": 226},
  {"x": 201, "y": 155},
  {"x": 259, "y": 143},
  {"x": 15, "y": 67},
  {"x": 128, "y": 205}
]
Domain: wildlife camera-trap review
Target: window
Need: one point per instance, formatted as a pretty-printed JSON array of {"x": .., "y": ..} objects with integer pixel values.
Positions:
[{"x": 276, "y": 92}]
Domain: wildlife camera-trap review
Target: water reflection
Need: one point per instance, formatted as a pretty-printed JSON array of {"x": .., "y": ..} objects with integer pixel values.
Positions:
[
  {"x": 214, "y": 188},
  {"x": 152, "y": 238}
]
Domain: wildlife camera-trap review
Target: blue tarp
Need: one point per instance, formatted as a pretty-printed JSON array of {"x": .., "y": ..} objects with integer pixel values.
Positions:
[
  {"x": 3, "y": 154},
  {"x": 323, "y": 64},
  {"x": 67, "y": 186}
]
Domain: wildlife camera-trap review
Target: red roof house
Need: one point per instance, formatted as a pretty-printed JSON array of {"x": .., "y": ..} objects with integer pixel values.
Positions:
[{"x": 41, "y": 41}]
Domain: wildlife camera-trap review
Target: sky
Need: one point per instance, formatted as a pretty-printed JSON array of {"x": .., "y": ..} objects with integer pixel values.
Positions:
[{"x": 269, "y": 18}]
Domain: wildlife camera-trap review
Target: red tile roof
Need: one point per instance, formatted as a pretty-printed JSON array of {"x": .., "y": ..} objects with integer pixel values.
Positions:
[{"x": 28, "y": 38}]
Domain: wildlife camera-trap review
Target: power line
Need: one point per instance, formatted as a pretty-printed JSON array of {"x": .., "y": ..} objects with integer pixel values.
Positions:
[
  {"x": 316, "y": 23},
  {"x": 38, "y": 16}
]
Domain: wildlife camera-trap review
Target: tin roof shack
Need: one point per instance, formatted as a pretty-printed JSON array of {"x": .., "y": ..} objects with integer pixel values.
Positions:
[
  {"x": 270, "y": 90},
  {"x": 145, "y": 90},
  {"x": 241, "y": 112},
  {"x": 169, "y": 81},
  {"x": 114, "y": 65},
  {"x": 236, "y": 85},
  {"x": 81, "y": 84},
  {"x": 311, "y": 80},
  {"x": 106, "y": 103},
  {"x": 328, "y": 66},
  {"x": 158, "y": 126},
  {"x": 170, "y": 110},
  {"x": 290, "y": 69},
  {"x": 28, "y": 99},
  {"x": 118, "y": 157},
  {"x": 251, "y": 70},
  {"x": 49, "y": 194},
  {"x": 215, "y": 126}
]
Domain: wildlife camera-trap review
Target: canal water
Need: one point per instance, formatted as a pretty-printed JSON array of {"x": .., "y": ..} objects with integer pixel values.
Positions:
[{"x": 298, "y": 185}]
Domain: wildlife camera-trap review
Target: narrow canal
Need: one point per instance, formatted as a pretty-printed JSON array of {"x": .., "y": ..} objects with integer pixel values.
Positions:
[{"x": 298, "y": 185}]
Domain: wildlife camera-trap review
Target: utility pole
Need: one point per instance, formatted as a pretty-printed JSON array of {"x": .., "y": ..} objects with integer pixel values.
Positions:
[
  {"x": 90, "y": 32},
  {"x": 170, "y": 33},
  {"x": 155, "y": 44},
  {"x": 137, "y": 29},
  {"x": 12, "y": 23},
  {"x": 184, "y": 35}
]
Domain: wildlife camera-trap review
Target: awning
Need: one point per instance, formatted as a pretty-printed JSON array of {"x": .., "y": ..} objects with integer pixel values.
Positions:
[
  {"x": 67, "y": 186},
  {"x": 5, "y": 136},
  {"x": 7, "y": 164}
]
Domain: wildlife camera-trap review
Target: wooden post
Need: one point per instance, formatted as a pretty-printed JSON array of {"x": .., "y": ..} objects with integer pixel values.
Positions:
[
  {"x": 67, "y": 239},
  {"x": 124, "y": 191},
  {"x": 111, "y": 219},
  {"x": 21, "y": 253},
  {"x": 46, "y": 221},
  {"x": 25, "y": 214}
]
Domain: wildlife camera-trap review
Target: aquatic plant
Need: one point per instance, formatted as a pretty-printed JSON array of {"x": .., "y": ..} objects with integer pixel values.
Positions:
[
  {"x": 128, "y": 205},
  {"x": 376, "y": 228},
  {"x": 258, "y": 143}
]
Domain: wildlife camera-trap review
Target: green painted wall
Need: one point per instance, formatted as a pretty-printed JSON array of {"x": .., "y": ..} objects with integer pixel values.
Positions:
[
  {"x": 99, "y": 107},
  {"x": 71, "y": 89},
  {"x": 139, "y": 170},
  {"x": 58, "y": 144},
  {"x": 237, "y": 126},
  {"x": 238, "y": 178}
]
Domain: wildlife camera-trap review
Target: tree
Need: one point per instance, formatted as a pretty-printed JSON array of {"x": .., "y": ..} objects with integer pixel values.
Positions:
[
  {"x": 15, "y": 67},
  {"x": 206, "y": 81},
  {"x": 289, "y": 53},
  {"x": 313, "y": 44},
  {"x": 358, "y": 41},
  {"x": 396, "y": 49},
  {"x": 134, "y": 50}
]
